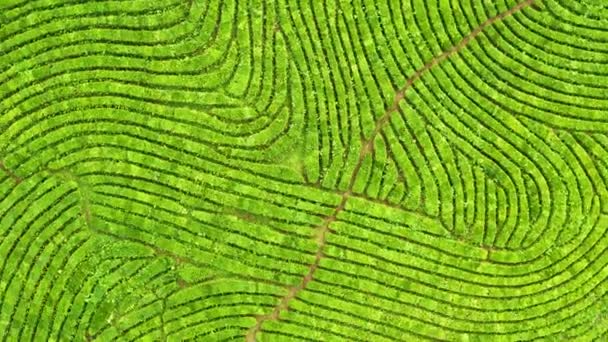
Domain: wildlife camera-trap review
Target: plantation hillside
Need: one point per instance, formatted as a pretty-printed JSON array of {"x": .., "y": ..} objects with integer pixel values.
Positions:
[{"x": 252, "y": 170}]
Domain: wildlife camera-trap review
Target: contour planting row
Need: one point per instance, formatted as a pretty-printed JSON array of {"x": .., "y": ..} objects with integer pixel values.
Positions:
[
  {"x": 564, "y": 91},
  {"x": 166, "y": 140},
  {"x": 588, "y": 185},
  {"x": 488, "y": 136},
  {"x": 43, "y": 251},
  {"x": 84, "y": 283},
  {"x": 221, "y": 108},
  {"x": 577, "y": 172},
  {"x": 441, "y": 300},
  {"x": 122, "y": 191},
  {"x": 341, "y": 44}
]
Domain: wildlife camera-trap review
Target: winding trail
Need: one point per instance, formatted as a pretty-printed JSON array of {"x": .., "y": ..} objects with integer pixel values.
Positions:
[
  {"x": 323, "y": 230},
  {"x": 10, "y": 173}
]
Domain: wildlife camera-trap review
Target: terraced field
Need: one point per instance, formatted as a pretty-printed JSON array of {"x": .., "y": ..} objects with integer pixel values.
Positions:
[{"x": 287, "y": 170}]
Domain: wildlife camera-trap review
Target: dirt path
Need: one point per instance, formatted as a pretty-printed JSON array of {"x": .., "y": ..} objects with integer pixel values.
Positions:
[
  {"x": 324, "y": 229},
  {"x": 10, "y": 173}
]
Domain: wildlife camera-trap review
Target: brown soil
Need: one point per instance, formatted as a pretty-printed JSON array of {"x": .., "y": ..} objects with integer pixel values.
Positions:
[
  {"x": 10, "y": 173},
  {"x": 324, "y": 229}
]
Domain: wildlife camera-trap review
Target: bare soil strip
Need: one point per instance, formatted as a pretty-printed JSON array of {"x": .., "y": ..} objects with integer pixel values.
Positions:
[
  {"x": 10, "y": 173},
  {"x": 324, "y": 228}
]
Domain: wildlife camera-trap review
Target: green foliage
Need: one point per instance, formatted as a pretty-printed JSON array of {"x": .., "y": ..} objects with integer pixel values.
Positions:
[{"x": 303, "y": 170}]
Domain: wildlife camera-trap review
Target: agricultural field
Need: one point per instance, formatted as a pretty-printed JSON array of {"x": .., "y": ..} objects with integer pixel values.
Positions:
[{"x": 252, "y": 170}]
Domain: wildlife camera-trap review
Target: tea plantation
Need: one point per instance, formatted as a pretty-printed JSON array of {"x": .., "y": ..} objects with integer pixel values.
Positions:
[{"x": 284, "y": 170}]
